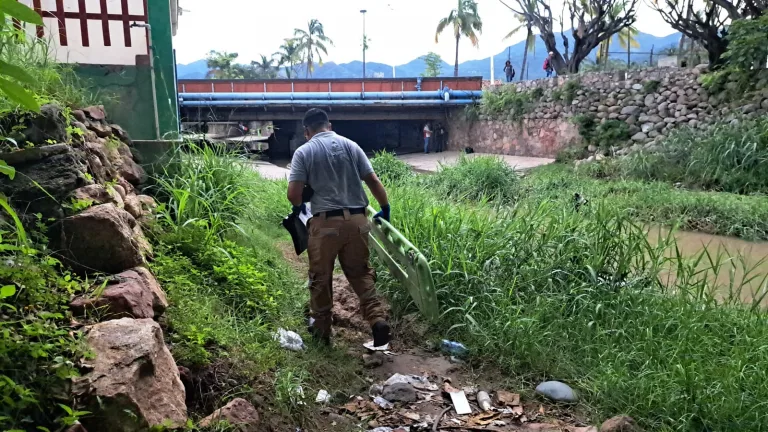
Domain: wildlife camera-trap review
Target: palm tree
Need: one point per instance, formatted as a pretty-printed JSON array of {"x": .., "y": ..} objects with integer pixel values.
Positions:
[
  {"x": 530, "y": 39},
  {"x": 465, "y": 21},
  {"x": 311, "y": 44},
  {"x": 266, "y": 67},
  {"x": 289, "y": 54}
]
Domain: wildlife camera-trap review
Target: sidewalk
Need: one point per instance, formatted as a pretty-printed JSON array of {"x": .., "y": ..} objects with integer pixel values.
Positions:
[
  {"x": 431, "y": 162},
  {"x": 270, "y": 171}
]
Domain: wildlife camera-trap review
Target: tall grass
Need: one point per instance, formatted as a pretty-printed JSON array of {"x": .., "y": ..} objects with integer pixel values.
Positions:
[
  {"x": 725, "y": 157},
  {"x": 473, "y": 178},
  {"x": 548, "y": 292}
]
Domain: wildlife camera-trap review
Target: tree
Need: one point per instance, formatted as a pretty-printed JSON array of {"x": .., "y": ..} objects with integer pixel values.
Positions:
[
  {"x": 465, "y": 22},
  {"x": 266, "y": 68},
  {"x": 434, "y": 65},
  {"x": 591, "y": 22},
  {"x": 706, "y": 22},
  {"x": 221, "y": 65},
  {"x": 289, "y": 56},
  {"x": 530, "y": 39},
  {"x": 311, "y": 44}
]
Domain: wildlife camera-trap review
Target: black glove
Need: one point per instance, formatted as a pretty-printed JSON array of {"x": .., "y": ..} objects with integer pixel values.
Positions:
[{"x": 299, "y": 209}]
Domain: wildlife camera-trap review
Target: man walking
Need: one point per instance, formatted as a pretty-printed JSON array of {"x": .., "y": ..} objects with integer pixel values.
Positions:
[
  {"x": 427, "y": 136},
  {"x": 548, "y": 67},
  {"x": 335, "y": 167}
]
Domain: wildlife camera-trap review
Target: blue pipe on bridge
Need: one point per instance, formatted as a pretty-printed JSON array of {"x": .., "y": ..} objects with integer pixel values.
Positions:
[
  {"x": 404, "y": 95},
  {"x": 310, "y": 103}
]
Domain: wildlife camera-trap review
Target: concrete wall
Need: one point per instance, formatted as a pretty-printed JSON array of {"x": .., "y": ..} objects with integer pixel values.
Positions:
[{"x": 114, "y": 58}]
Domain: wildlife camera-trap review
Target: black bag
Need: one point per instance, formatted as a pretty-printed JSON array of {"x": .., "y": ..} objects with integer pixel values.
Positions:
[
  {"x": 469, "y": 150},
  {"x": 299, "y": 232},
  {"x": 306, "y": 194}
]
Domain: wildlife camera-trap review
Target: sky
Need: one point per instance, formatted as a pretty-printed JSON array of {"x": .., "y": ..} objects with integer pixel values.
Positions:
[{"x": 398, "y": 30}]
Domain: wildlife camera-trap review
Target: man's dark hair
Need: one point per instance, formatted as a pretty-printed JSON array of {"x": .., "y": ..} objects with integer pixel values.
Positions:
[{"x": 315, "y": 119}]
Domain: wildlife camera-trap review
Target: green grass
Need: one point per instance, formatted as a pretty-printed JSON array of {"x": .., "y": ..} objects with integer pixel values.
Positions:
[{"x": 724, "y": 157}]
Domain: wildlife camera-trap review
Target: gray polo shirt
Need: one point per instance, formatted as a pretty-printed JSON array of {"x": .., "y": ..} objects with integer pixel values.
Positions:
[{"x": 334, "y": 167}]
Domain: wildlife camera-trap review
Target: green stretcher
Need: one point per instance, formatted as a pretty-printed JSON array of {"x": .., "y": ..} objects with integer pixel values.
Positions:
[{"x": 406, "y": 263}]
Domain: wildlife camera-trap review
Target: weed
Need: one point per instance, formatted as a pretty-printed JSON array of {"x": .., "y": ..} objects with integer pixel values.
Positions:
[
  {"x": 473, "y": 178},
  {"x": 508, "y": 102},
  {"x": 603, "y": 135},
  {"x": 651, "y": 86},
  {"x": 390, "y": 169}
]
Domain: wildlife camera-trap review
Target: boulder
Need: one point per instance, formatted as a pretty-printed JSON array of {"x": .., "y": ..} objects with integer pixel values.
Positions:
[
  {"x": 134, "y": 383},
  {"x": 764, "y": 104},
  {"x": 79, "y": 115},
  {"x": 620, "y": 424},
  {"x": 95, "y": 112},
  {"x": 557, "y": 391},
  {"x": 148, "y": 204},
  {"x": 238, "y": 413},
  {"x": 49, "y": 126},
  {"x": 128, "y": 168},
  {"x": 133, "y": 206},
  {"x": 629, "y": 110},
  {"x": 96, "y": 193},
  {"x": 639, "y": 137},
  {"x": 650, "y": 100},
  {"x": 45, "y": 177},
  {"x": 101, "y": 238},
  {"x": 748, "y": 109},
  {"x": 100, "y": 129},
  {"x": 136, "y": 295},
  {"x": 646, "y": 127},
  {"x": 399, "y": 392},
  {"x": 85, "y": 133},
  {"x": 120, "y": 133}
]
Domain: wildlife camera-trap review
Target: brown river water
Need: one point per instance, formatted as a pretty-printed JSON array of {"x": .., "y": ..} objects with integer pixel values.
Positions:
[{"x": 737, "y": 255}]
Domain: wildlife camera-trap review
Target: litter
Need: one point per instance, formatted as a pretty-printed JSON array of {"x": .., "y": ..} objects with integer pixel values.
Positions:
[
  {"x": 289, "y": 340},
  {"x": 323, "y": 397},
  {"x": 369, "y": 345},
  {"x": 383, "y": 403},
  {"x": 505, "y": 398},
  {"x": 410, "y": 416},
  {"x": 459, "y": 399},
  {"x": 418, "y": 382},
  {"x": 453, "y": 348},
  {"x": 484, "y": 401}
]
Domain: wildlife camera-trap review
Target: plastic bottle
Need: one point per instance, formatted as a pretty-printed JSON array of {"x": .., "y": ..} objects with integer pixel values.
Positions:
[
  {"x": 484, "y": 400},
  {"x": 454, "y": 348}
]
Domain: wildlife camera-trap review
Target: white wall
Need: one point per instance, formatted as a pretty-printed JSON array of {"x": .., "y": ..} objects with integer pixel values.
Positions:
[{"x": 97, "y": 51}]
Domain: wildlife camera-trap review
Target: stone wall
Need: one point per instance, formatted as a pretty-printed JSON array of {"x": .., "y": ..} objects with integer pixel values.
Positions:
[{"x": 652, "y": 102}]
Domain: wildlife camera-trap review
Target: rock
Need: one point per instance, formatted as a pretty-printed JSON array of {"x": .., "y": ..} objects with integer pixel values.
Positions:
[
  {"x": 79, "y": 115},
  {"x": 49, "y": 126},
  {"x": 239, "y": 413},
  {"x": 76, "y": 428},
  {"x": 646, "y": 127},
  {"x": 375, "y": 390},
  {"x": 120, "y": 191},
  {"x": 669, "y": 120},
  {"x": 639, "y": 137},
  {"x": 101, "y": 130},
  {"x": 133, "y": 206},
  {"x": 592, "y": 148},
  {"x": 557, "y": 391},
  {"x": 748, "y": 109},
  {"x": 44, "y": 184},
  {"x": 95, "y": 112},
  {"x": 629, "y": 110},
  {"x": 649, "y": 101},
  {"x": 98, "y": 239},
  {"x": 603, "y": 108},
  {"x": 87, "y": 135},
  {"x": 399, "y": 392},
  {"x": 129, "y": 169},
  {"x": 120, "y": 133},
  {"x": 134, "y": 383},
  {"x": 637, "y": 87},
  {"x": 148, "y": 204},
  {"x": 94, "y": 193},
  {"x": 764, "y": 104},
  {"x": 137, "y": 295},
  {"x": 373, "y": 360},
  {"x": 620, "y": 424},
  {"x": 613, "y": 116},
  {"x": 614, "y": 109}
]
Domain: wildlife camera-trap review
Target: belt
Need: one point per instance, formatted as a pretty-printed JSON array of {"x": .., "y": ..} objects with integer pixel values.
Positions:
[{"x": 340, "y": 212}]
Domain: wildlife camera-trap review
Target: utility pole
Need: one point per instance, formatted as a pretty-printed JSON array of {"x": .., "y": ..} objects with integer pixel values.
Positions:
[{"x": 365, "y": 41}]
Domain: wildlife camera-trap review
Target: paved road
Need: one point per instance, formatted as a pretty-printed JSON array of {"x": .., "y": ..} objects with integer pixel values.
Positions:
[
  {"x": 431, "y": 162},
  {"x": 270, "y": 171}
]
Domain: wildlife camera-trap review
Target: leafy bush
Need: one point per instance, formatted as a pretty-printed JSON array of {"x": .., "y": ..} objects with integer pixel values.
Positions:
[
  {"x": 747, "y": 49},
  {"x": 725, "y": 157},
  {"x": 571, "y": 153},
  {"x": 603, "y": 135},
  {"x": 651, "y": 86},
  {"x": 475, "y": 178},
  {"x": 508, "y": 101},
  {"x": 390, "y": 169}
]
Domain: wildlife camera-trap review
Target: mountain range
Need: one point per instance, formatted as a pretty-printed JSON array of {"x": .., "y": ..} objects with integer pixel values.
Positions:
[{"x": 480, "y": 67}]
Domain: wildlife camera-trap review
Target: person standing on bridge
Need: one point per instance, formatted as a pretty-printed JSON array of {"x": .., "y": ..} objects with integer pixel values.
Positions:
[
  {"x": 336, "y": 167},
  {"x": 427, "y": 136},
  {"x": 548, "y": 67}
]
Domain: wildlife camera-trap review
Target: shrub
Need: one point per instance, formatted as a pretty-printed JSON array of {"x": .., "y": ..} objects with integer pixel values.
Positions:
[
  {"x": 603, "y": 135},
  {"x": 651, "y": 86},
  {"x": 508, "y": 101},
  {"x": 390, "y": 169},
  {"x": 571, "y": 153},
  {"x": 747, "y": 49},
  {"x": 475, "y": 178},
  {"x": 570, "y": 88}
]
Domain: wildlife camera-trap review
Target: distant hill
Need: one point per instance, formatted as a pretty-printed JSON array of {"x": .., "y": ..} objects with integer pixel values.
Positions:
[{"x": 481, "y": 67}]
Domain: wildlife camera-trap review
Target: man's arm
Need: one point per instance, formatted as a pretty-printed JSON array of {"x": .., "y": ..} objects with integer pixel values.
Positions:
[
  {"x": 296, "y": 179},
  {"x": 295, "y": 189},
  {"x": 377, "y": 189}
]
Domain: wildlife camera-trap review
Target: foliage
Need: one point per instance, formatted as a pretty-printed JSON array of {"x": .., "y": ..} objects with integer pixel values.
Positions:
[
  {"x": 472, "y": 112},
  {"x": 725, "y": 157},
  {"x": 465, "y": 21},
  {"x": 473, "y": 178},
  {"x": 9, "y": 11},
  {"x": 312, "y": 44},
  {"x": 508, "y": 101},
  {"x": 221, "y": 65},
  {"x": 651, "y": 86},
  {"x": 591, "y": 21},
  {"x": 746, "y": 44},
  {"x": 530, "y": 38},
  {"x": 434, "y": 65},
  {"x": 567, "y": 93},
  {"x": 289, "y": 55},
  {"x": 604, "y": 135},
  {"x": 571, "y": 153},
  {"x": 390, "y": 169}
]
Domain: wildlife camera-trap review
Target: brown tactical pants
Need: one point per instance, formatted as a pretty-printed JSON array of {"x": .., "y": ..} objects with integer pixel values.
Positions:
[{"x": 346, "y": 237}]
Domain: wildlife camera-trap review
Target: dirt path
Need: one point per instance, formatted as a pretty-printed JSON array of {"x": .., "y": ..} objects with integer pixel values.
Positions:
[{"x": 436, "y": 371}]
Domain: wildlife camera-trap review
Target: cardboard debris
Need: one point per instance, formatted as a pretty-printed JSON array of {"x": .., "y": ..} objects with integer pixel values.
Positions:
[
  {"x": 410, "y": 415},
  {"x": 505, "y": 398}
]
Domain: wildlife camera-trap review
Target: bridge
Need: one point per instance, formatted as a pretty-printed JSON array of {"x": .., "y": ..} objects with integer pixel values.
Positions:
[{"x": 378, "y": 113}]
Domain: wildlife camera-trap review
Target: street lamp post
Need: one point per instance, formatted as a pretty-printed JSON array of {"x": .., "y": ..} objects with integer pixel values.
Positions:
[{"x": 365, "y": 42}]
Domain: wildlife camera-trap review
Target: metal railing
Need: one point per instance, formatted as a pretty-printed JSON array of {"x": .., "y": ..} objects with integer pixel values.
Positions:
[{"x": 407, "y": 264}]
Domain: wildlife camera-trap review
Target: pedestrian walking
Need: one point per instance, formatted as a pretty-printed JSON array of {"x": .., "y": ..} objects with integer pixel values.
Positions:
[
  {"x": 548, "y": 64},
  {"x": 427, "y": 136},
  {"x": 336, "y": 167},
  {"x": 509, "y": 71}
]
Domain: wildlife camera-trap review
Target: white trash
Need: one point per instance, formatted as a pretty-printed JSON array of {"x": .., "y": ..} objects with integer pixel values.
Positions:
[
  {"x": 289, "y": 340},
  {"x": 323, "y": 397}
]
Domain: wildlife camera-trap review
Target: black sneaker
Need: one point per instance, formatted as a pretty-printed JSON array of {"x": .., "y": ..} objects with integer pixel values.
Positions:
[{"x": 381, "y": 334}]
